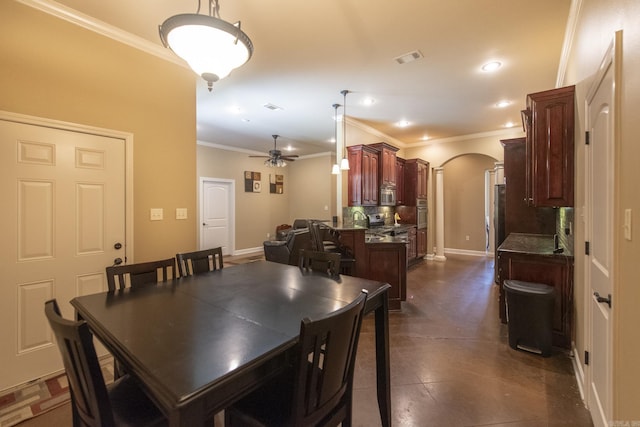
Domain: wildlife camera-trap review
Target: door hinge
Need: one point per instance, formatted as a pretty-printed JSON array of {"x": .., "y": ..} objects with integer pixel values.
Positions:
[
  {"x": 586, "y": 357},
  {"x": 586, "y": 248},
  {"x": 587, "y": 139}
]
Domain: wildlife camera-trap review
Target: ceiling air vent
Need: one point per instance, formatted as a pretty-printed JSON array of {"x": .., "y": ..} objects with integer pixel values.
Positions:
[
  {"x": 408, "y": 57},
  {"x": 272, "y": 107}
]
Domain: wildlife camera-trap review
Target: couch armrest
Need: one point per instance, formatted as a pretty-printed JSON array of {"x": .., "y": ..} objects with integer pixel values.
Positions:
[{"x": 276, "y": 251}]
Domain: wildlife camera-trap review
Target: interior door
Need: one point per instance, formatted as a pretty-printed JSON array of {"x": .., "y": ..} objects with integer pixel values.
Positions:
[
  {"x": 600, "y": 234},
  {"x": 63, "y": 193},
  {"x": 217, "y": 203}
]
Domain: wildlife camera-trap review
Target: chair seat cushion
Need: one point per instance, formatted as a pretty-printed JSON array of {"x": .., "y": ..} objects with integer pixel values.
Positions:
[{"x": 131, "y": 407}]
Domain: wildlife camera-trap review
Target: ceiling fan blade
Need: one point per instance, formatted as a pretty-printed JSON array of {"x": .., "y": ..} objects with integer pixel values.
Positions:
[
  {"x": 265, "y": 157},
  {"x": 288, "y": 159}
]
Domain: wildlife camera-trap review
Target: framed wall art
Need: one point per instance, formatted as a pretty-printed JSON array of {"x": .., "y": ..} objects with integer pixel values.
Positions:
[{"x": 252, "y": 183}]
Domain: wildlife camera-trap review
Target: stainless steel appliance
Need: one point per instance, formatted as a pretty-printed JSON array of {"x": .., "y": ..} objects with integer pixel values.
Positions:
[
  {"x": 417, "y": 215},
  {"x": 387, "y": 196},
  {"x": 377, "y": 226},
  {"x": 421, "y": 213}
]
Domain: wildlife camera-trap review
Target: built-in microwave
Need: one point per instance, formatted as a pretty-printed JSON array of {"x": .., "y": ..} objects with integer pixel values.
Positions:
[{"x": 387, "y": 196}]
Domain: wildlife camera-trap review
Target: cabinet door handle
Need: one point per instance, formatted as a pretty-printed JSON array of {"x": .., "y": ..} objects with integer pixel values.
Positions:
[{"x": 603, "y": 299}]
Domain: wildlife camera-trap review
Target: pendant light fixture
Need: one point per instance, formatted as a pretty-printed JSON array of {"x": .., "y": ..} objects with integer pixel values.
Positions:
[
  {"x": 336, "y": 167},
  {"x": 344, "y": 163},
  {"x": 212, "y": 47}
]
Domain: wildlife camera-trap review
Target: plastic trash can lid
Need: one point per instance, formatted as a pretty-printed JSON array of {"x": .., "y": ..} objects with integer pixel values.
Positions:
[{"x": 528, "y": 287}]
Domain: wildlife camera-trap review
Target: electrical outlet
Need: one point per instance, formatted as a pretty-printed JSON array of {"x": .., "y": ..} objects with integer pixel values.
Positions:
[
  {"x": 627, "y": 224},
  {"x": 467, "y": 237}
]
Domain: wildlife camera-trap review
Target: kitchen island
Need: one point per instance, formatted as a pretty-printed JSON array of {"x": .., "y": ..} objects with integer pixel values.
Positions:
[
  {"x": 378, "y": 257},
  {"x": 537, "y": 258}
]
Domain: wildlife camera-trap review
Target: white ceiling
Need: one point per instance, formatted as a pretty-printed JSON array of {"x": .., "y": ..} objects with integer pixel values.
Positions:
[{"x": 307, "y": 51}]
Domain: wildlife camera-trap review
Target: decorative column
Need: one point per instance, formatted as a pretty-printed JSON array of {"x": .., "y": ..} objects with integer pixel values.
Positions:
[{"x": 439, "y": 175}]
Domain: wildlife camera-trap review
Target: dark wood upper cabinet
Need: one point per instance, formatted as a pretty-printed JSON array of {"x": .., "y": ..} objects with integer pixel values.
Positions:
[
  {"x": 549, "y": 124},
  {"x": 363, "y": 175},
  {"x": 416, "y": 176},
  {"x": 387, "y": 173},
  {"x": 399, "y": 181},
  {"x": 519, "y": 216}
]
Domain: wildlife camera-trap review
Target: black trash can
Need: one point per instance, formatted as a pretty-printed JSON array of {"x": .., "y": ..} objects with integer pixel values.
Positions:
[{"x": 530, "y": 315}]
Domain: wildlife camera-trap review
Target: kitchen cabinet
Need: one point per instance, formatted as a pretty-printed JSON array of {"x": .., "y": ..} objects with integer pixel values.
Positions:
[
  {"x": 549, "y": 125},
  {"x": 421, "y": 241},
  {"x": 363, "y": 175},
  {"x": 531, "y": 258},
  {"x": 416, "y": 175},
  {"x": 387, "y": 172},
  {"x": 412, "y": 247},
  {"x": 385, "y": 261},
  {"x": 399, "y": 181},
  {"x": 519, "y": 216}
]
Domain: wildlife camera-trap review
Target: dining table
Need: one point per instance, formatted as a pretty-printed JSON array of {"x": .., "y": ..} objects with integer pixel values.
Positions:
[{"x": 199, "y": 343}]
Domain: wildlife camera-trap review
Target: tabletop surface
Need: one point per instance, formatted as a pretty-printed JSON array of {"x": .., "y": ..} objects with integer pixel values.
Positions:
[{"x": 188, "y": 335}]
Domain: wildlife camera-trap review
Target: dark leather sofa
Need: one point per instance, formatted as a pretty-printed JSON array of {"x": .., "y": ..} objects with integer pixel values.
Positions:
[{"x": 287, "y": 251}]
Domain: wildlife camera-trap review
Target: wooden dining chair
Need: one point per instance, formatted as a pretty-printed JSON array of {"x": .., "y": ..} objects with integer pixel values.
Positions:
[
  {"x": 325, "y": 262},
  {"x": 327, "y": 239},
  {"x": 141, "y": 274},
  {"x": 190, "y": 263},
  {"x": 317, "y": 390},
  {"x": 95, "y": 404}
]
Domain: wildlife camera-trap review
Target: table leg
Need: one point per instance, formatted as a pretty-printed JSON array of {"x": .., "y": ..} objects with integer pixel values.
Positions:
[{"x": 383, "y": 376}]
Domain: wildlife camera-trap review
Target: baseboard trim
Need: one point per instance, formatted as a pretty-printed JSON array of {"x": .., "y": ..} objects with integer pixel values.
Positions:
[
  {"x": 466, "y": 252},
  {"x": 579, "y": 373}
]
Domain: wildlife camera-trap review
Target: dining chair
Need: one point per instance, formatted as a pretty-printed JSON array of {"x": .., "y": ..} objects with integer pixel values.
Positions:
[
  {"x": 95, "y": 404},
  {"x": 325, "y": 262},
  {"x": 318, "y": 389},
  {"x": 190, "y": 263},
  {"x": 327, "y": 239},
  {"x": 141, "y": 274}
]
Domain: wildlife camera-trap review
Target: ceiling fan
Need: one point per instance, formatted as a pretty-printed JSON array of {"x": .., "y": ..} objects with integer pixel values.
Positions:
[{"x": 275, "y": 157}]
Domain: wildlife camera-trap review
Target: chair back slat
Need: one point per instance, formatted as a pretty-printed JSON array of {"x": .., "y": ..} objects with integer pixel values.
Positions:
[
  {"x": 141, "y": 274},
  {"x": 325, "y": 262},
  {"x": 190, "y": 263}
]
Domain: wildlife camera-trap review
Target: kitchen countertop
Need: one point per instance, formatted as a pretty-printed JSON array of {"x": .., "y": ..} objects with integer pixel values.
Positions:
[{"x": 538, "y": 244}]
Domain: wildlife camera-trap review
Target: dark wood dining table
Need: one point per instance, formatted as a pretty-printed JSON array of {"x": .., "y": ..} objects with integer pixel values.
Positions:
[{"x": 197, "y": 344}]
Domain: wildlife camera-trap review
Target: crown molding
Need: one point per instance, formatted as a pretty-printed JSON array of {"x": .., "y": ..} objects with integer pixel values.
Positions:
[
  {"x": 92, "y": 24},
  {"x": 253, "y": 152},
  {"x": 569, "y": 35}
]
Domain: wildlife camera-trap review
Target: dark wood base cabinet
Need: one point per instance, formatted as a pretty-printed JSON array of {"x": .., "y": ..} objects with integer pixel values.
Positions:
[
  {"x": 553, "y": 270},
  {"x": 388, "y": 263}
]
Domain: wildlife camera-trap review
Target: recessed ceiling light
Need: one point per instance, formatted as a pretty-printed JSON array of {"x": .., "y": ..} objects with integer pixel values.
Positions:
[
  {"x": 368, "y": 101},
  {"x": 403, "y": 123},
  {"x": 503, "y": 104},
  {"x": 425, "y": 138},
  {"x": 509, "y": 124},
  {"x": 491, "y": 66}
]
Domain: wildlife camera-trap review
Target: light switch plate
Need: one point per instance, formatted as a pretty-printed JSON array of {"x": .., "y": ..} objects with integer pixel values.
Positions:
[
  {"x": 156, "y": 214},
  {"x": 181, "y": 213}
]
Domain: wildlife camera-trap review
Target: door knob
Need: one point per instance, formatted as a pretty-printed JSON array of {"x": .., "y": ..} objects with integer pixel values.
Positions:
[
  {"x": 117, "y": 261},
  {"x": 603, "y": 299},
  {"x": 118, "y": 245}
]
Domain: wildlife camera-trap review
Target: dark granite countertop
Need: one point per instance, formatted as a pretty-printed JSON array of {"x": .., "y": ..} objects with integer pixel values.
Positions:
[{"x": 538, "y": 244}]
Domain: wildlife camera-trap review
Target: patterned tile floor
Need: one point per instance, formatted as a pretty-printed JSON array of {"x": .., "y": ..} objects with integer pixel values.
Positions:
[{"x": 40, "y": 396}]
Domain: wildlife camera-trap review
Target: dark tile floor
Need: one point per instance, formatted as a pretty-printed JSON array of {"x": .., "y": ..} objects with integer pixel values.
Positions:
[
  {"x": 451, "y": 364},
  {"x": 450, "y": 361}
]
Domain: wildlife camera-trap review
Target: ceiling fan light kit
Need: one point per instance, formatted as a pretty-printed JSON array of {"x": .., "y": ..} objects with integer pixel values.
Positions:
[
  {"x": 211, "y": 46},
  {"x": 275, "y": 159}
]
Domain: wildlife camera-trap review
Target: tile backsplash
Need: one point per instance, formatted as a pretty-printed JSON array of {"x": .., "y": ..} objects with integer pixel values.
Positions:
[{"x": 564, "y": 228}]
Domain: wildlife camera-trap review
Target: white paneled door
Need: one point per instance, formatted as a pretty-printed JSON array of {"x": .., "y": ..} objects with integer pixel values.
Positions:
[
  {"x": 63, "y": 216},
  {"x": 599, "y": 173},
  {"x": 217, "y": 201}
]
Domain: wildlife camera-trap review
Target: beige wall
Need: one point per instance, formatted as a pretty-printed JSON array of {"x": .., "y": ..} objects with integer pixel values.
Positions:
[
  {"x": 53, "y": 69},
  {"x": 308, "y": 188},
  {"x": 597, "y": 22},
  {"x": 464, "y": 195}
]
